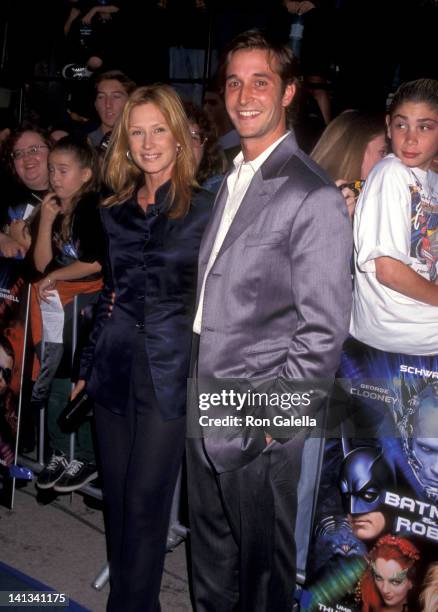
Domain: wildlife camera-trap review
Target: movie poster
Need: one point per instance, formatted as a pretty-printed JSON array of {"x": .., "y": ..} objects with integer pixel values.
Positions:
[
  {"x": 13, "y": 304},
  {"x": 375, "y": 534}
]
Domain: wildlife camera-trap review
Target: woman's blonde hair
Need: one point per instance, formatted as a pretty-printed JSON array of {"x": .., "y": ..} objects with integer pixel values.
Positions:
[
  {"x": 122, "y": 175},
  {"x": 341, "y": 147}
]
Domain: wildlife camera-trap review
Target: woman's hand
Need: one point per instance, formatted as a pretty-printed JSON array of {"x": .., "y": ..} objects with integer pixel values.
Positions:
[
  {"x": 45, "y": 288},
  {"x": 50, "y": 208},
  {"x": 349, "y": 196},
  {"x": 77, "y": 388}
]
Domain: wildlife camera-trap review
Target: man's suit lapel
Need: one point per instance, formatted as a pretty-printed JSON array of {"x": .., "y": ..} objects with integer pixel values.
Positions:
[
  {"x": 257, "y": 197},
  {"x": 262, "y": 189},
  {"x": 266, "y": 182}
]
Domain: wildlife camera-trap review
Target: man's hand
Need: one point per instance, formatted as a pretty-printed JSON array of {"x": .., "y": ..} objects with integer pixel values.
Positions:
[
  {"x": 292, "y": 7},
  {"x": 305, "y": 7},
  {"x": 298, "y": 8},
  {"x": 88, "y": 18}
]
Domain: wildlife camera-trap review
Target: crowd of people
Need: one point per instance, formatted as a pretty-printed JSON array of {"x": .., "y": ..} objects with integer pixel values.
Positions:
[{"x": 191, "y": 263}]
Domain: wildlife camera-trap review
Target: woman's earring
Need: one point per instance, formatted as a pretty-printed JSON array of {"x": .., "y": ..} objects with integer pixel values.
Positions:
[
  {"x": 128, "y": 155},
  {"x": 178, "y": 149}
]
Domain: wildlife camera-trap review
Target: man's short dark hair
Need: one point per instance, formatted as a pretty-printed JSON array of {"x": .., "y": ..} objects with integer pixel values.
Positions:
[
  {"x": 116, "y": 75},
  {"x": 256, "y": 39}
]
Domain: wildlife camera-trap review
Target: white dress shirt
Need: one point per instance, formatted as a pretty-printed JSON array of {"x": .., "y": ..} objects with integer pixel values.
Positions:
[{"x": 237, "y": 183}]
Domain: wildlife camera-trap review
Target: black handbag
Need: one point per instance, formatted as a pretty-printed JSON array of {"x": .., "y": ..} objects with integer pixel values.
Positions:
[{"x": 75, "y": 412}]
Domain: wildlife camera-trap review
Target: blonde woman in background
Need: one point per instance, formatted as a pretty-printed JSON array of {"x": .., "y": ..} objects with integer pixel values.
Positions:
[{"x": 350, "y": 146}]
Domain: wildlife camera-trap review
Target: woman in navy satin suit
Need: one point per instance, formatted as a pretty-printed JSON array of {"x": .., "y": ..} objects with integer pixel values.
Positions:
[{"x": 136, "y": 365}]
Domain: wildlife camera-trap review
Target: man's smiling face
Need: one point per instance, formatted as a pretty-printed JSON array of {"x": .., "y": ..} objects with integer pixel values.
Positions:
[{"x": 255, "y": 98}]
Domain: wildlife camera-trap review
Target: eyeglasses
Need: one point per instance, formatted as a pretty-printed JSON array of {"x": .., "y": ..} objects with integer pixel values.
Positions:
[
  {"x": 198, "y": 138},
  {"x": 33, "y": 151},
  {"x": 6, "y": 373}
]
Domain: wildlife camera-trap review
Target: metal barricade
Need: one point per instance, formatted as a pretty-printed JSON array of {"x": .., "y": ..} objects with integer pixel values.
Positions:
[{"x": 177, "y": 532}]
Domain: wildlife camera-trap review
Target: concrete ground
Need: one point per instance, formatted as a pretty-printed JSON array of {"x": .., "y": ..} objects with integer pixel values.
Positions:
[{"x": 62, "y": 544}]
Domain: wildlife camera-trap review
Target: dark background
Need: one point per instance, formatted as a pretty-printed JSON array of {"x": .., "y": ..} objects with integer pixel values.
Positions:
[{"x": 369, "y": 47}]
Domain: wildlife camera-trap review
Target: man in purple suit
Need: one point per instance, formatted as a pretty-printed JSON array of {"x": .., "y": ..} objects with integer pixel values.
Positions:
[{"x": 273, "y": 303}]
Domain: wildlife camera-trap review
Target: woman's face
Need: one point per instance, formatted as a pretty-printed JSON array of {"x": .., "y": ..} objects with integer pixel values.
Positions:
[
  {"x": 198, "y": 142},
  {"x": 391, "y": 581},
  {"x": 30, "y": 154},
  {"x": 153, "y": 147},
  {"x": 375, "y": 151}
]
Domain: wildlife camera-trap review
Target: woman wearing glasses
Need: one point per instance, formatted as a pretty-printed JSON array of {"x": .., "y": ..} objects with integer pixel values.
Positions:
[
  {"x": 137, "y": 363},
  {"x": 26, "y": 153}
]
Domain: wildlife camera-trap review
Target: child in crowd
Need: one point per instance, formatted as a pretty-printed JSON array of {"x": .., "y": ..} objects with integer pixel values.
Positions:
[
  {"x": 396, "y": 232},
  {"x": 349, "y": 148},
  {"x": 68, "y": 252},
  {"x": 395, "y": 299}
]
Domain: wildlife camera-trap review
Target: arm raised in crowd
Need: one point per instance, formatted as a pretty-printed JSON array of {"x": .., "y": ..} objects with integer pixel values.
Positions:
[
  {"x": 43, "y": 253},
  {"x": 105, "y": 11}
]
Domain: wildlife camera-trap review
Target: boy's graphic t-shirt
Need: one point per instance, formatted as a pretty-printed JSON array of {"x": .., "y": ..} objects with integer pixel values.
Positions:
[
  {"x": 424, "y": 226},
  {"x": 396, "y": 216}
]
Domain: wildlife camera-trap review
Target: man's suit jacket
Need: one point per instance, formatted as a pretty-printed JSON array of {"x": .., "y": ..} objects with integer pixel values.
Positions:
[{"x": 277, "y": 299}]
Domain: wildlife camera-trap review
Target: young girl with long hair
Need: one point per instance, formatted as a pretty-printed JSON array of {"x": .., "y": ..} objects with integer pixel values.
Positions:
[
  {"x": 66, "y": 241},
  {"x": 67, "y": 252}
]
